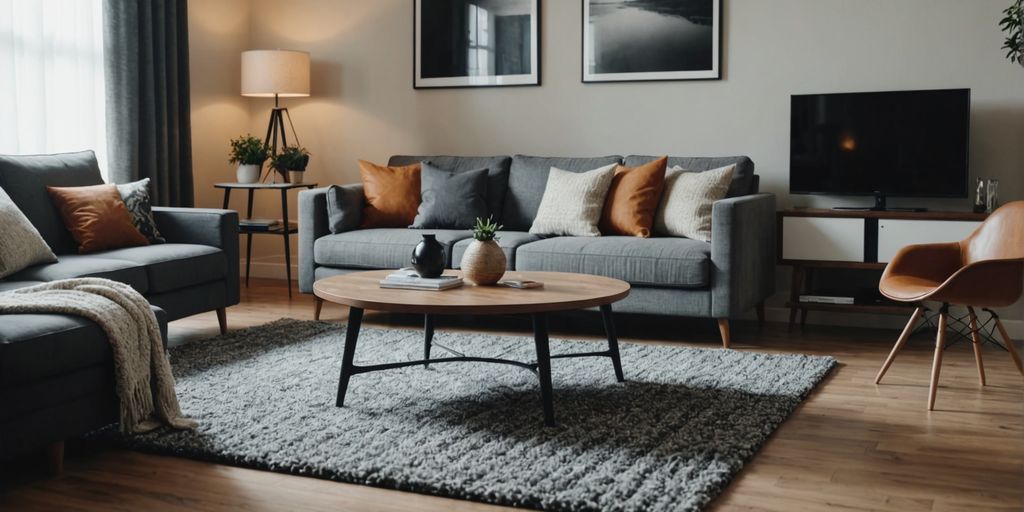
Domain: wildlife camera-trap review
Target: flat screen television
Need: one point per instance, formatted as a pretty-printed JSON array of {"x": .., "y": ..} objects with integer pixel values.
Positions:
[{"x": 899, "y": 143}]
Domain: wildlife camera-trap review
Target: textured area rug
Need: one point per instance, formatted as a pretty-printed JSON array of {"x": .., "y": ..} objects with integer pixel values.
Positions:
[{"x": 670, "y": 438}]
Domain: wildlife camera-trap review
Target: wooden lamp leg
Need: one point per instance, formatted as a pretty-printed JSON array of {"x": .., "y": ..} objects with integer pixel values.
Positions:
[
  {"x": 976, "y": 341},
  {"x": 1009, "y": 345},
  {"x": 55, "y": 458},
  {"x": 723, "y": 329},
  {"x": 940, "y": 345},
  {"x": 899, "y": 343}
]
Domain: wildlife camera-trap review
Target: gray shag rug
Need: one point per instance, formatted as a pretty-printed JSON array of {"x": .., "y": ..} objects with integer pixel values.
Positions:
[{"x": 670, "y": 438}]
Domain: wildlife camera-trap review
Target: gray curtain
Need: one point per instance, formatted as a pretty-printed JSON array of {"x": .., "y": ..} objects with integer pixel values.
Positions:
[{"x": 148, "y": 122}]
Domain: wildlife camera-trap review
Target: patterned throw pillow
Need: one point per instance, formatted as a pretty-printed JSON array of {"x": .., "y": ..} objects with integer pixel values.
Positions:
[
  {"x": 136, "y": 197},
  {"x": 572, "y": 202},
  {"x": 688, "y": 199},
  {"x": 21, "y": 246}
]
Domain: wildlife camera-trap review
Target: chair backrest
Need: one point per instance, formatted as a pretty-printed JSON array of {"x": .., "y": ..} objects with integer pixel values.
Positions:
[{"x": 1000, "y": 237}]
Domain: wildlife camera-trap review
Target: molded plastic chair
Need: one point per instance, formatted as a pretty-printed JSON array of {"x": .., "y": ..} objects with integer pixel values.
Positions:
[{"x": 984, "y": 270}]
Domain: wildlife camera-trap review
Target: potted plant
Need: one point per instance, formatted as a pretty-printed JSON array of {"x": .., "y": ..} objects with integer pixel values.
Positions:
[
  {"x": 291, "y": 162},
  {"x": 483, "y": 263},
  {"x": 249, "y": 153},
  {"x": 1012, "y": 22}
]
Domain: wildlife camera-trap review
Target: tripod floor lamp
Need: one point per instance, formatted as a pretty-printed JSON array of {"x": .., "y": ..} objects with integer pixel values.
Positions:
[{"x": 276, "y": 74}]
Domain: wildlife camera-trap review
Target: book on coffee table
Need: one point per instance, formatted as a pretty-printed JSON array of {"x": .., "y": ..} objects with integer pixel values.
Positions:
[{"x": 408, "y": 279}]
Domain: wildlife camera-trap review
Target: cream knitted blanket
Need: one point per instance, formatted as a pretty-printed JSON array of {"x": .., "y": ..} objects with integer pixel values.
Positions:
[{"x": 144, "y": 383}]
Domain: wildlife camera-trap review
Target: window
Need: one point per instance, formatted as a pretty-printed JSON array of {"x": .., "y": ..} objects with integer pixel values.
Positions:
[
  {"x": 51, "y": 77},
  {"x": 480, "y": 46}
]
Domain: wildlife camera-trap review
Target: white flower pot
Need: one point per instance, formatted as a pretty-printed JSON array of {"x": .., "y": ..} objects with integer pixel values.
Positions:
[
  {"x": 248, "y": 173},
  {"x": 296, "y": 176},
  {"x": 483, "y": 263}
]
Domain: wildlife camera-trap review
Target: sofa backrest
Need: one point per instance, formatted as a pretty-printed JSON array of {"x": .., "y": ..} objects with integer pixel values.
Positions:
[
  {"x": 528, "y": 178},
  {"x": 497, "y": 174},
  {"x": 25, "y": 178},
  {"x": 743, "y": 180}
]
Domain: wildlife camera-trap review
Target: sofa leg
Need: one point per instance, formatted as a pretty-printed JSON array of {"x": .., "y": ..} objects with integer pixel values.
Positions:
[
  {"x": 723, "y": 329},
  {"x": 55, "y": 458},
  {"x": 319, "y": 306},
  {"x": 759, "y": 308},
  {"x": 222, "y": 320}
]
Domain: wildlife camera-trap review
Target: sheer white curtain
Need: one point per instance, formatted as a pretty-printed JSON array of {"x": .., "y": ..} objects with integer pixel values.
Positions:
[{"x": 51, "y": 77}]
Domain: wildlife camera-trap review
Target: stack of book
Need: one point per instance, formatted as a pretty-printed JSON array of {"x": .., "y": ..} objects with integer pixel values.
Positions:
[
  {"x": 260, "y": 224},
  {"x": 408, "y": 279}
]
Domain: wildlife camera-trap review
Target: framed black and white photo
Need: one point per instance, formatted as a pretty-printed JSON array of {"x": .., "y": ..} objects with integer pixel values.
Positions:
[
  {"x": 476, "y": 43},
  {"x": 636, "y": 40}
]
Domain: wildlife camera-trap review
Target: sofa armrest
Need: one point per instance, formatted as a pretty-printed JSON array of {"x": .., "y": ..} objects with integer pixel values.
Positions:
[
  {"x": 742, "y": 253},
  {"x": 204, "y": 226},
  {"x": 313, "y": 224}
]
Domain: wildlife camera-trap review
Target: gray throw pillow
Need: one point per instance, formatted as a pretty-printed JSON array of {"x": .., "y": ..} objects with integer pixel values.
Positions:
[
  {"x": 344, "y": 207},
  {"x": 21, "y": 245},
  {"x": 136, "y": 197},
  {"x": 451, "y": 200}
]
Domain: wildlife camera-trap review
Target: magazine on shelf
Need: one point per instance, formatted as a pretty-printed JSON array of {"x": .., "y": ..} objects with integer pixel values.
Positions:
[
  {"x": 410, "y": 280},
  {"x": 264, "y": 224}
]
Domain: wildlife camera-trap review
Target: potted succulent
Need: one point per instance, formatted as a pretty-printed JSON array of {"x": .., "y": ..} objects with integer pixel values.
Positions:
[
  {"x": 249, "y": 153},
  {"x": 291, "y": 162},
  {"x": 483, "y": 263},
  {"x": 1012, "y": 23}
]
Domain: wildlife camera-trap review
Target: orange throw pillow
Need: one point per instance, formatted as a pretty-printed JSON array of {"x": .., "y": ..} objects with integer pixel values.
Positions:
[
  {"x": 633, "y": 199},
  {"x": 392, "y": 195},
  {"x": 96, "y": 217}
]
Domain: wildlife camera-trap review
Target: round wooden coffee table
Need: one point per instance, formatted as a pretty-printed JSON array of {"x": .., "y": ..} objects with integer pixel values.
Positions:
[{"x": 561, "y": 292}]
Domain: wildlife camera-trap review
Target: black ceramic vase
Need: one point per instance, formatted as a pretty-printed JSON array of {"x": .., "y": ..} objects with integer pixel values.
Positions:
[{"x": 428, "y": 257}]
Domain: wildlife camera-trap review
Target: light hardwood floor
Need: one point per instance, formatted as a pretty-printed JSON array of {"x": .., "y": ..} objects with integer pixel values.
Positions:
[{"x": 852, "y": 445}]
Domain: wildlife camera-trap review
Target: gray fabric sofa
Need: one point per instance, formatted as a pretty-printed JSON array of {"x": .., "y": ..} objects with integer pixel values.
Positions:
[
  {"x": 56, "y": 371},
  {"x": 670, "y": 276}
]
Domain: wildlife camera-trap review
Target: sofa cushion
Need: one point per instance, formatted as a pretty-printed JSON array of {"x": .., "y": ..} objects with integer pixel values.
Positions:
[
  {"x": 662, "y": 262},
  {"x": 8, "y": 285},
  {"x": 497, "y": 173},
  {"x": 743, "y": 179},
  {"x": 97, "y": 217},
  {"x": 88, "y": 265},
  {"x": 391, "y": 195},
  {"x": 25, "y": 179},
  {"x": 380, "y": 248},
  {"x": 20, "y": 246},
  {"x": 527, "y": 179},
  {"x": 174, "y": 266},
  {"x": 509, "y": 241},
  {"x": 451, "y": 200}
]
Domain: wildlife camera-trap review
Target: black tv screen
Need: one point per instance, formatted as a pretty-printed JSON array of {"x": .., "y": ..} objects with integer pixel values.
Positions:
[{"x": 901, "y": 143}]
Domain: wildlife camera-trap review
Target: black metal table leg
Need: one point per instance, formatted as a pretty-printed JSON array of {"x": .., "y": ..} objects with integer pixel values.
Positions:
[
  {"x": 355, "y": 319},
  {"x": 613, "y": 341},
  {"x": 248, "y": 239},
  {"x": 540, "y": 337},
  {"x": 287, "y": 243},
  {"x": 227, "y": 198},
  {"x": 428, "y": 338}
]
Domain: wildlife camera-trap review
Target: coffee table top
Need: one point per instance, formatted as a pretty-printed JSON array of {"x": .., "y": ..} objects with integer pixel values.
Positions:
[{"x": 562, "y": 291}]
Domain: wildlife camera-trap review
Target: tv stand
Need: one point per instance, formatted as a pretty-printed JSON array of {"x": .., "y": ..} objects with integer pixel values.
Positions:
[{"x": 879, "y": 206}]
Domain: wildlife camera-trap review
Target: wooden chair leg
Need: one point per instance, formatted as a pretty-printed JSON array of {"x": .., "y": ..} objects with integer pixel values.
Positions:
[
  {"x": 899, "y": 343},
  {"x": 976, "y": 342},
  {"x": 1009, "y": 345},
  {"x": 723, "y": 329},
  {"x": 318, "y": 306},
  {"x": 222, "y": 320},
  {"x": 55, "y": 458},
  {"x": 940, "y": 345}
]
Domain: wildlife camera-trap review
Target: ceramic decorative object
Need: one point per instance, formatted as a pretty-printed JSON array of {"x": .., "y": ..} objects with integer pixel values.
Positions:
[
  {"x": 483, "y": 263},
  {"x": 992, "y": 196},
  {"x": 248, "y": 173},
  {"x": 428, "y": 257}
]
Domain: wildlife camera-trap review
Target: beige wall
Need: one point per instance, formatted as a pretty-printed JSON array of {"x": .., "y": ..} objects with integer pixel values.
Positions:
[{"x": 363, "y": 104}]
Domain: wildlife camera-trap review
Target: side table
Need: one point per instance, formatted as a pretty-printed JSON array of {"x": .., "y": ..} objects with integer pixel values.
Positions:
[{"x": 287, "y": 228}]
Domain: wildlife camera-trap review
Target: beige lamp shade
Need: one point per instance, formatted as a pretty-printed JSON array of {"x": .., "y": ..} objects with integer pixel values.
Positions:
[{"x": 266, "y": 73}]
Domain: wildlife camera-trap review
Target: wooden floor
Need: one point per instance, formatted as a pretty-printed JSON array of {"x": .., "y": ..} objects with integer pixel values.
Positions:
[{"x": 852, "y": 445}]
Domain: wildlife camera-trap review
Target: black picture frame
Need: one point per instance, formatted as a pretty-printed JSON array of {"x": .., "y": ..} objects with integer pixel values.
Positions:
[
  {"x": 531, "y": 79},
  {"x": 714, "y": 72}
]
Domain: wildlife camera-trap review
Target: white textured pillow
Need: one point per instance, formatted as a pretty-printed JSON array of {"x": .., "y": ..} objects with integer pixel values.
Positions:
[
  {"x": 21, "y": 246},
  {"x": 572, "y": 202},
  {"x": 685, "y": 208}
]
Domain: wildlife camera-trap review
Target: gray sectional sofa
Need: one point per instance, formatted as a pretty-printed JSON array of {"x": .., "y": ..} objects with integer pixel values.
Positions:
[
  {"x": 669, "y": 276},
  {"x": 56, "y": 371}
]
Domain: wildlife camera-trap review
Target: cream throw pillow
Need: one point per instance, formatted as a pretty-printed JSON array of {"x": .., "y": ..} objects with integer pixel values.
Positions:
[
  {"x": 21, "y": 246},
  {"x": 572, "y": 202},
  {"x": 685, "y": 208}
]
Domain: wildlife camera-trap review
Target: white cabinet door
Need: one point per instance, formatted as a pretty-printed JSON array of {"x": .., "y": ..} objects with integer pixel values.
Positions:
[
  {"x": 822, "y": 239},
  {"x": 894, "y": 234}
]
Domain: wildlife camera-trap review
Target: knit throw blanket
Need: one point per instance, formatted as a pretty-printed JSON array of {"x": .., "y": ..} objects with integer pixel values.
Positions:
[{"x": 145, "y": 385}]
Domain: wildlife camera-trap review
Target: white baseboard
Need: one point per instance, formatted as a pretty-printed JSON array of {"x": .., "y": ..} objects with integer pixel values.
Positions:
[{"x": 275, "y": 270}]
